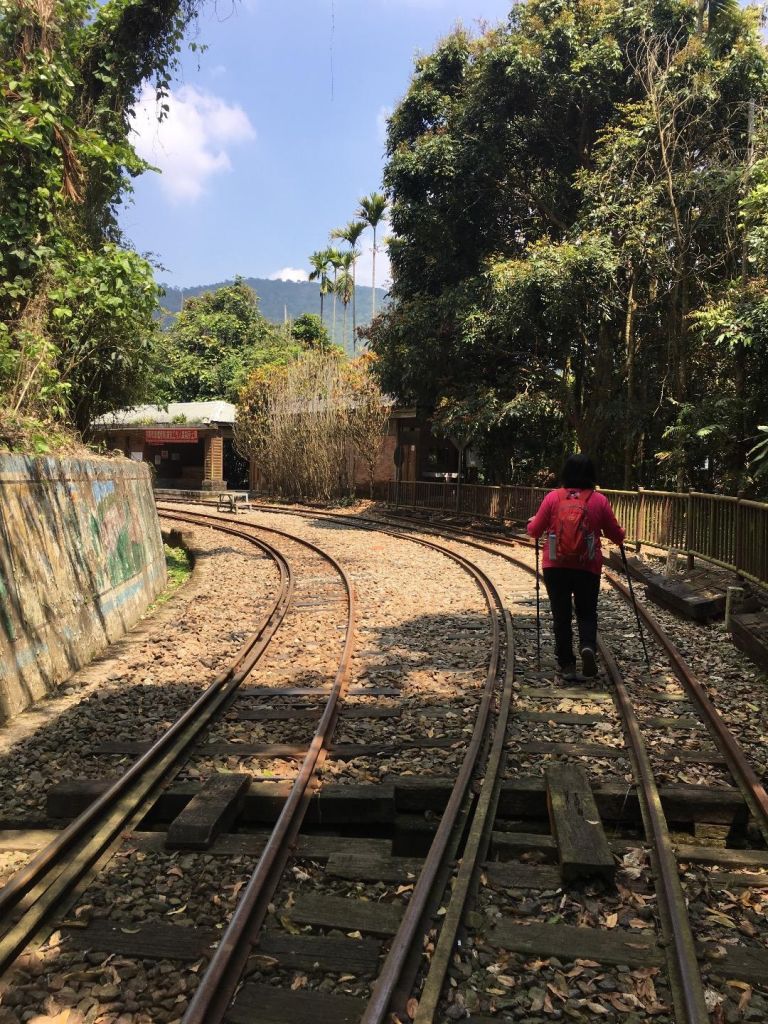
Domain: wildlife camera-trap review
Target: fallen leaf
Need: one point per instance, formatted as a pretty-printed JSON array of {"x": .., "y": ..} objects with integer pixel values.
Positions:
[{"x": 411, "y": 1007}]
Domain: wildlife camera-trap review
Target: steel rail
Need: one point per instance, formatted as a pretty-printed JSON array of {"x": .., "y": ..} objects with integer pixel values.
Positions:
[
  {"x": 474, "y": 848},
  {"x": 746, "y": 778},
  {"x": 681, "y": 955},
  {"x": 222, "y": 976},
  {"x": 684, "y": 967},
  {"x": 213, "y": 1005},
  {"x": 46, "y": 880}
]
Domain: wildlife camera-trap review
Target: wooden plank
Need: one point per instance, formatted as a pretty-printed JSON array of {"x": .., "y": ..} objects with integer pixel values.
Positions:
[
  {"x": 557, "y": 693},
  {"x": 316, "y": 691},
  {"x": 522, "y": 876},
  {"x": 511, "y": 844},
  {"x": 349, "y": 915},
  {"x": 361, "y": 867},
  {"x": 737, "y": 880},
  {"x": 709, "y": 755},
  {"x": 656, "y": 722},
  {"x": 615, "y": 946},
  {"x": 583, "y": 849},
  {"x": 211, "y": 811},
  {"x": 525, "y": 796},
  {"x": 562, "y": 718},
  {"x": 151, "y": 940},
  {"x": 679, "y": 597},
  {"x": 310, "y": 714},
  {"x": 321, "y": 952},
  {"x": 722, "y": 857},
  {"x": 590, "y": 750},
  {"x": 742, "y": 963},
  {"x": 333, "y": 805},
  {"x": 295, "y": 751},
  {"x": 750, "y": 635},
  {"x": 420, "y": 792},
  {"x": 270, "y": 1005},
  {"x": 309, "y": 846}
]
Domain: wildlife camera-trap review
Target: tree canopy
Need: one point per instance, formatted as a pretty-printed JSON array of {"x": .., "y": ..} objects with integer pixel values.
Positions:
[
  {"x": 77, "y": 335},
  {"x": 219, "y": 338},
  {"x": 578, "y": 201}
]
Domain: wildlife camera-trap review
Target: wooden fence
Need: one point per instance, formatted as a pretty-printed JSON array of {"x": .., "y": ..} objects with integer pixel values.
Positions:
[{"x": 728, "y": 531}]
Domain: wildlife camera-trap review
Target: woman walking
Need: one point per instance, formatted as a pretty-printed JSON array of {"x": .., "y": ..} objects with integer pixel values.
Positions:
[{"x": 572, "y": 519}]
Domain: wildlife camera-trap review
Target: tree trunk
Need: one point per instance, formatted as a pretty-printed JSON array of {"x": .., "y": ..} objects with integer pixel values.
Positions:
[
  {"x": 373, "y": 277},
  {"x": 630, "y": 429},
  {"x": 354, "y": 312}
]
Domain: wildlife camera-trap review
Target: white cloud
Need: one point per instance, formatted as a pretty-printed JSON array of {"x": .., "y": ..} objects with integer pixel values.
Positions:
[
  {"x": 190, "y": 145},
  {"x": 289, "y": 274},
  {"x": 381, "y": 123}
]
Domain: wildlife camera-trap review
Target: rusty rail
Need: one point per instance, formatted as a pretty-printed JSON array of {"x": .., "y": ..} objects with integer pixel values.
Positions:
[
  {"x": 50, "y": 876},
  {"x": 221, "y": 978}
]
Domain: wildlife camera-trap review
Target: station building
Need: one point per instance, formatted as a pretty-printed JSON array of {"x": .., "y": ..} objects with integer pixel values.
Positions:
[{"x": 189, "y": 444}]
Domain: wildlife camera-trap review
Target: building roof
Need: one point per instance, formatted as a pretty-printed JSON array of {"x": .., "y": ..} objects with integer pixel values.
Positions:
[{"x": 201, "y": 413}]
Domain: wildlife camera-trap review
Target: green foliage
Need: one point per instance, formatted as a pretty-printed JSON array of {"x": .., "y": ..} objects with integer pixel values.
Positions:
[
  {"x": 579, "y": 201},
  {"x": 216, "y": 342},
  {"x": 76, "y": 335},
  {"x": 311, "y": 332}
]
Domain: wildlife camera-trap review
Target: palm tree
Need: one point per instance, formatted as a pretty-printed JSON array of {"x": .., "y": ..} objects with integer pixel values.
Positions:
[
  {"x": 334, "y": 259},
  {"x": 372, "y": 210},
  {"x": 319, "y": 263},
  {"x": 345, "y": 288},
  {"x": 350, "y": 234}
]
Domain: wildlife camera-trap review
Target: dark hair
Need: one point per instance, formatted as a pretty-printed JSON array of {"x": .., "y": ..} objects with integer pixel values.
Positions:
[{"x": 578, "y": 471}]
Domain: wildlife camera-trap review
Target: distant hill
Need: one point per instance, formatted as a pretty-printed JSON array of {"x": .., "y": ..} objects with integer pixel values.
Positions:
[{"x": 292, "y": 298}]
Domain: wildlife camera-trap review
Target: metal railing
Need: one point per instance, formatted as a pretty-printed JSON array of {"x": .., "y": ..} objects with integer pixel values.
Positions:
[{"x": 727, "y": 531}]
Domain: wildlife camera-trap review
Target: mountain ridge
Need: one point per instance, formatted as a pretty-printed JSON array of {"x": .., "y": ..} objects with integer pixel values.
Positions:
[{"x": 281, "y": 299}]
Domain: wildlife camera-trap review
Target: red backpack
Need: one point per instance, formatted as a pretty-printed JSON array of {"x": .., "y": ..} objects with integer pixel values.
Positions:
[{"x": 575, "y": 536}]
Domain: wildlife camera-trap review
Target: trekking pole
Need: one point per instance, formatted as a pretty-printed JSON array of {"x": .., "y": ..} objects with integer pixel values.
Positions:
[
  {"x": 538, "y": 612},
  {"x": 634, "y": 605}
]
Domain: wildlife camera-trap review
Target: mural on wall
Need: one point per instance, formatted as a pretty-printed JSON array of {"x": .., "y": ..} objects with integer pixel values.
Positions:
[
  {"x": 81, "y": 557},
  {"x": 116, "y": 538}
]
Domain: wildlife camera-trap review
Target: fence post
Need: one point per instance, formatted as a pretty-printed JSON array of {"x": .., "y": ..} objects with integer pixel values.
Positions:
[
  {"x": 639, "y": 523},
  {"x": 689, "y": 528},
  {"x": 737, "y": 532}
]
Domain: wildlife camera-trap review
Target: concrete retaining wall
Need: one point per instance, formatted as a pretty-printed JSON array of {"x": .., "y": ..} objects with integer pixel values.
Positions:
[{"x": 81, "y": 558}]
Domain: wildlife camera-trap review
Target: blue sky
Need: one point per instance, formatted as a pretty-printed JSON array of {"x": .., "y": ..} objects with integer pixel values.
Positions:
[{"x": 277, "y": 129}]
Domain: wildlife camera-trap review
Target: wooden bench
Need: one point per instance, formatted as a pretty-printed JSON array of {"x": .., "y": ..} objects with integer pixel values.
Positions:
[{"x": 229, "y": 501}]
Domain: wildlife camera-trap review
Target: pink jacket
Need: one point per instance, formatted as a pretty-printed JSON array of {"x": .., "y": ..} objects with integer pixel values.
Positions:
[{"x": 600, "y": 516}]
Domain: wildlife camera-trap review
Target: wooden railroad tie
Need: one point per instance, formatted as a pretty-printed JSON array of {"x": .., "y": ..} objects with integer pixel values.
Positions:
[
  {"x": 582, "y": 845},
  {"x": 397, "y": 797},
  {"x": 210, "y": 811}
]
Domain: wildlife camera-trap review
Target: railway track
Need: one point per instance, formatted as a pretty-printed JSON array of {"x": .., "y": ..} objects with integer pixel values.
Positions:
[
  {"x": 692, "y": 1001},
  {"x": 439, "y": 895},
  {"x": 281, "y": 841}
]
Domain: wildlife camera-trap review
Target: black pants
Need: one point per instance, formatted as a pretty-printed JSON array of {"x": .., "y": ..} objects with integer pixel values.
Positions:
[{"x": 583, "y": 586}]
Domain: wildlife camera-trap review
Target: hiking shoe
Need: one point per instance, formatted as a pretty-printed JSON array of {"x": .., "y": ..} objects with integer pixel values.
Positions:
[
  {"x": 588, "y": 662},
  {"x": 567, "y": 671}
]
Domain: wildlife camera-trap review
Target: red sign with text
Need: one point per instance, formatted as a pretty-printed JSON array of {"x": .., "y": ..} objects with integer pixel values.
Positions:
[{"x": 170, "y": 436}]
